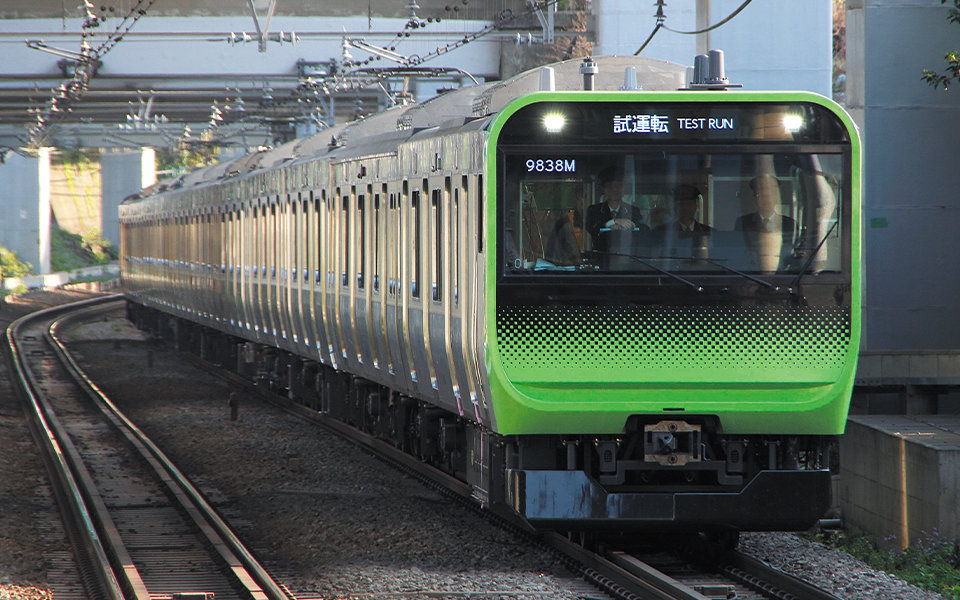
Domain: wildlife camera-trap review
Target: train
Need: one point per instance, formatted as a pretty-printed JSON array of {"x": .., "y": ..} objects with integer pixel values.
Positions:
[{"x": 606, "y": 299}]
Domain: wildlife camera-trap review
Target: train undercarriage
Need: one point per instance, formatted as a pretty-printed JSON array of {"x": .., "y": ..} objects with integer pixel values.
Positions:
[{"x": 660, "y": 474}]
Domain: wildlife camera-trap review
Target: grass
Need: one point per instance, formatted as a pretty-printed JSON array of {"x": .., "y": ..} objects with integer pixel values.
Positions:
[
  {"x": 70, "y": 251},
  {"x": 932, "y": 563},
  {"x": 11, "y": 265}
]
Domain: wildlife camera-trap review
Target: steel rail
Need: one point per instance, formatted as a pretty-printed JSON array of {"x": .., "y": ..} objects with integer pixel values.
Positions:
[
  {"x": 758, "y": 575},
  {"x": 240, "y": 561},
  {"x": 116, "y": 575},
  {"x": 614, "y": 571},
  {"x": 604, "y": 572},
  {"x": 57, "y": 457}
]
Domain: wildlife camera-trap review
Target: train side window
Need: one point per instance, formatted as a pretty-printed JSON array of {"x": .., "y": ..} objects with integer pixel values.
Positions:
[
  {"x": 393, "y": 232},
  {"x": 264, "y": 245},
  {"x": 455, "y": 236},
  {"x": 362, "y": 241},
  {"x": 376, "y": 242},
  {"x": 345, "y": 240},
  {"x": 479, "y": 194},
  {"x": 436, "y": 206},
  {"x": 317, "y": 237},
  {"x": 307, "y": 237},
  {"x": 228, "y": 243},
  {"x": 274, "y": 241},
  {"x": 298, "y": 241},
  {"x": 415, "y": 226},
  {"x": 331, "y": 237}
]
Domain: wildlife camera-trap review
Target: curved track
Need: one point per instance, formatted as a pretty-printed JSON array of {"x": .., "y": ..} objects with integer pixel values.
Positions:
[
  {"x": 161, "y": 556},
  {"x": 622, "y": 573},
  {"x": 140, "y": 529}
]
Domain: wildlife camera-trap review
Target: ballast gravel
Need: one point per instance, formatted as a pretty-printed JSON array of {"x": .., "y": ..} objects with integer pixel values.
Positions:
[
  {"x": 828, "y": 568},
  {"x": 329, "y": 520}
]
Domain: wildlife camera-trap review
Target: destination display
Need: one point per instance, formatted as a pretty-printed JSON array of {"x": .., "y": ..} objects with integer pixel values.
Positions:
[{"x": 710, "y": 122}]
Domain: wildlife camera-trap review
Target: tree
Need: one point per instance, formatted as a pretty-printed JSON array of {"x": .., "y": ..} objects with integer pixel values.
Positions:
[{"x": 952, "y": 71}]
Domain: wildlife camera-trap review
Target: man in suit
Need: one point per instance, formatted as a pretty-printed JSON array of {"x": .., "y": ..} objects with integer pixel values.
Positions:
[
  {"x": 612, "y": 214},
  {"x": 767, "y": 233},
  {"x": 767, "y": 218},
  {"x": 686, "y": 203}
]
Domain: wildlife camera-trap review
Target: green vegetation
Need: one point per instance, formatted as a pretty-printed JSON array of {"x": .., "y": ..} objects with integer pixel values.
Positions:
[
  {"x": 174, "y": 161},
  {"x": 11, "y": 265},
  {"x": 932, "y": 563},
  {"x": 70, "y": 251},
  {"x": 78, "y": 158},
  {"x": 951, "y": 72}
]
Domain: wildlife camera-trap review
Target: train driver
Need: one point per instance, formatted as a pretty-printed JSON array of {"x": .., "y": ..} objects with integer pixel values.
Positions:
[{"x": 612, "y": 214}]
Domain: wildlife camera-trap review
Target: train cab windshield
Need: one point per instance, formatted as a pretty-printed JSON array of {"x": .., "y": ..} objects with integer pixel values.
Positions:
[
  {"x": 674, "y": 211},
  {"x": 706, "y": 188}
]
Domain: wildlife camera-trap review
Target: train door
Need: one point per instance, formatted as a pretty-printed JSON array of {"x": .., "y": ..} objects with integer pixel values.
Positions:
[
  {"x": 291, "y": 210},
  {"x": 395, "y": 257},
  {"x": 235, "y": 260},
  {"x": 262, "y": 325},
  {"x": 245, "y": 254},
  {"x": 179, "y": 250},
  {"x": 459, "y": 253},
  {"x": 227, "y": 267},
  {"x": 345, "y": 272},
  {"x": 360, "y": 283},
  {"x": 333, "y": 283},
  {"x": 437, "y": 322},
  {"x": 299, "y": 286},
  {"x": 253, "y": 239},
  {"x": 284, "y": 329},
  {"x": 283, "y": 283},
  {"x": 377, "y": 320},
  {"x": 217, "y": 219},
  {"x": 318, "y": 253},
  {"x": 474, "y": 304},
  {"x": 273, "y": 305},
  {"x": 416, "y": 331},
  {"x": 261, "y": 278},
  {"x": 326, "y": 258}
]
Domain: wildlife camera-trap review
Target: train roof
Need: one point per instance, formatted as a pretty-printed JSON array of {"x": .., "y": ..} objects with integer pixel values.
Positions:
[{"x": 466, "y": 108}]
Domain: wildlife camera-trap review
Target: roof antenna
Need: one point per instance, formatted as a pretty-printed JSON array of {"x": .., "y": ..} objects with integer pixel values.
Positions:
[
  {"x": 589, "y": 69},
  {"x": 708, "y": 73},
  {"x": 630, "y": 80},
  {"x": 715, "y": 70},
  {"x": 548, "y": 80}
]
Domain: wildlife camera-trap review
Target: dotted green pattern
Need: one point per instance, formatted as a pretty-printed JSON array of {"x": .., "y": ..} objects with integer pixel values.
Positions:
[{"x": 673, "y": 343}]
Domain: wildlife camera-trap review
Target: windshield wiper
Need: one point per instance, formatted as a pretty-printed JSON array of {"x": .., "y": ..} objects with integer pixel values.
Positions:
[
  {"x": 712, "y": 261},
  {"x": 806, "y": 264},
  {"x": 647, "y": 263},
  {"x": 717, "y": 263}
]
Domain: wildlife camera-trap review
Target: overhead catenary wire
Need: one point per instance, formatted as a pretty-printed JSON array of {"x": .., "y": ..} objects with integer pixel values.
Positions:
[
  {"x": 661, "y": 17},
  {"x": 649, "y": 38},
  {"x": 62, "y": 99},
  {"x": 715, "y": 25}
]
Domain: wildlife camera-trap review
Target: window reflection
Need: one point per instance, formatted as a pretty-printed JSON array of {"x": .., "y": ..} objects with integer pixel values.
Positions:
[{"x": 706, "y": 213}]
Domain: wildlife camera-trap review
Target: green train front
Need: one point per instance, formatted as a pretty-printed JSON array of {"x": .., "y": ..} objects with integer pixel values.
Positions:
[{"x": 678, "y": 360}]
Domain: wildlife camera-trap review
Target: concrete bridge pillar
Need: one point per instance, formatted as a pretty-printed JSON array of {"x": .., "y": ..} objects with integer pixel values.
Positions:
[
  {"x": 25, "y": 207},
  {"x": 123, "y": 172}
]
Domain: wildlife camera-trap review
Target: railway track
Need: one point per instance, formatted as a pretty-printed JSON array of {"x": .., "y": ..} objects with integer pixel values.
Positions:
[
  {"x": 140, "y": 530},
  {"x": 623, "y": 573}
]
